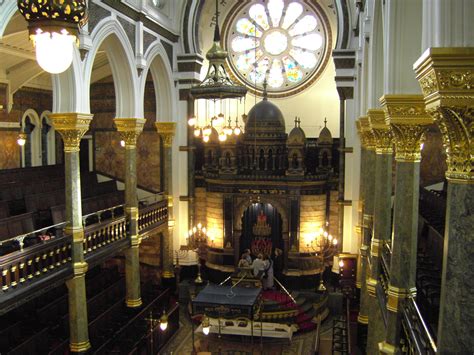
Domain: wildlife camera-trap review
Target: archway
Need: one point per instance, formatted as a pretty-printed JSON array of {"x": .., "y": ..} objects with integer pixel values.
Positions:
[{"x": 261, "y": 229}]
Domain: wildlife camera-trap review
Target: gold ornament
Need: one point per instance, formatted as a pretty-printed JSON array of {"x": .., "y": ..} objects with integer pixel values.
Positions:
[
  {"x": 129, "y": 129},
  {"x": 71, "y": 127},
  {"x": 381, "y": 131}
]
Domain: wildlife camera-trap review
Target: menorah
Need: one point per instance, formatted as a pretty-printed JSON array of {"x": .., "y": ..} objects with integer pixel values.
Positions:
[{"x": 324, "y": 245}]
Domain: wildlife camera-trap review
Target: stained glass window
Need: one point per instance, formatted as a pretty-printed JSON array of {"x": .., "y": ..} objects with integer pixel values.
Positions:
[{"x": 283, "y": 41}]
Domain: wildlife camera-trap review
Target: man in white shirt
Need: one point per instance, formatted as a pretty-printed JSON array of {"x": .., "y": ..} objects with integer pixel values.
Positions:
[{"x": 258, "y": 266}]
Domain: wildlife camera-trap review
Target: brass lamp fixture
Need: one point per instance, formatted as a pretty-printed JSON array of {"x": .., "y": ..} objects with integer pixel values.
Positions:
[
  {"x": 325, "y": 246},
  {"x": 197, "y": 241},
  {"x": 54, "y": 27},
  {"x": 21, "y": 140},
  {"x": 217, "y": 90}
]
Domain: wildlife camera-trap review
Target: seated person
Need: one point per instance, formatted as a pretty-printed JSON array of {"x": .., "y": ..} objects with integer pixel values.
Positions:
[{"x": 244, "y": 267}]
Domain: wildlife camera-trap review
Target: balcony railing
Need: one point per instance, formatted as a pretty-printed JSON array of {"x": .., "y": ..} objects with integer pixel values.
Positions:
[
  {"x": 38, "y": 267},
  {"x": 416, "y": 338}
]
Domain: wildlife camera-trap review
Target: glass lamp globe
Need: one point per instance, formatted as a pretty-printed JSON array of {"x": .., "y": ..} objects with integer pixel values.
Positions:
[
  {"x": 163, "y": 322},
  {"x": 237, "y": 130},
  {"x": 222, "y": 137},
  {"x": 192, "y": 121},
  {"x": 21, "y": 139},
  {"x": 54, "y": 51},
  {"x": 205, "y": 139}
]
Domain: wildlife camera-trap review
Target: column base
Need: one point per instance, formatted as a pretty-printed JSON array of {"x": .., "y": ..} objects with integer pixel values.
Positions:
[
  {"x": 386, "y": 348},
  {"x": 80, "y": 347},
  {"x": 133, "y": 303}
]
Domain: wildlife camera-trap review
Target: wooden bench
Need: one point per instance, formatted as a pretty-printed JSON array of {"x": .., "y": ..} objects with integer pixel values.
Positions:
[{"x": 16, "y": 225}]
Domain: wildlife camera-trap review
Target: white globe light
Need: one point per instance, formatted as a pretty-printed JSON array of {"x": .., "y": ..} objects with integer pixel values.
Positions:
[
  {"x": 192, "y": 121},
  {"x": 341, "y": 263},
  {"x": 122, "y": 143},
  {"x": 53, "y": 50},
  {"x": 237, "y": 130},
  {"x": 222, "y": 137},
  {"x": 205, "y": 139}
]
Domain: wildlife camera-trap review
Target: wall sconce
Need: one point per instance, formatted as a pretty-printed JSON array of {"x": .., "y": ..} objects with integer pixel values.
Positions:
[
  {"x": 164, "y": 321},
  {"x": 53, "y": 27},
  {"x": 21, "y": 140},
  {"x": 206, "y": 325}
]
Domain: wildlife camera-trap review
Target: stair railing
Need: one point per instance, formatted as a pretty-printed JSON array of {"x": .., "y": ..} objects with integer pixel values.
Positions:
[{"x": 284, "y": 289}]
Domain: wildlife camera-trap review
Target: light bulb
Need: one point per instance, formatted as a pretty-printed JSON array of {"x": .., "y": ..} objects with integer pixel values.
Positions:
[
  {"x": 122, "y": 143},
  {"x": 190, "y": 233},
  {"x": 341, "y": 263},
  {"x": 54, "y": 51},
  {"x": 205, "y": 139},
  {"x": 21, "y": 139},
  {"x": 199, "y": 225},
  {"x": 192, "y": 121},
  {"x": 334, "y": 242},
  {"x": 206, "y": 131},
  {"x": 163, "y": 321},
  {"x": 204, "y": 230},
  {"x": 422, "y": 145},
  {"x": 325, "y": 234},
  {"x": 194, "y": 229},
  {"x": 237, "y": 130},
  {"x": 228, "y": 130},
  {"x": 222, "y": 137},
  {"x": 219, "y": 119},
  {"x": 197, "y": 132},
  {"x": 330, "y": 237},
  {"x": 206, "y": 326}
]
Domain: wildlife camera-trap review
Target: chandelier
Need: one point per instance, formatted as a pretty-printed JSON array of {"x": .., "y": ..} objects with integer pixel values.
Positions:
[
  {"x": 53, "y": 26},
  {"x": 219, "y": 94}
]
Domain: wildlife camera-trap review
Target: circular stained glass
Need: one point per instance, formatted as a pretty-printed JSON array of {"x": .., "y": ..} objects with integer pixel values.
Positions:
[{"x": 283, "y": 41}]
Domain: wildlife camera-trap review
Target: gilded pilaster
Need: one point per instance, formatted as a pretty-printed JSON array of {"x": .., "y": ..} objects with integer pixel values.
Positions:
[
  {"x": 446, "y": 77},
  {"x": 408, "y": 119},
  {"x": 129, "y": 129},
  {"x": 382, "y": 220},
  {"x": 367, "y": 178},
  {"x": 72, "y": 127},
  {"x": 166, "y": 130}
]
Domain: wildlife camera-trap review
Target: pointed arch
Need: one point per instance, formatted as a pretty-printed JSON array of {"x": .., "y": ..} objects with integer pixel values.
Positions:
[{"x": 6, "y": 13}]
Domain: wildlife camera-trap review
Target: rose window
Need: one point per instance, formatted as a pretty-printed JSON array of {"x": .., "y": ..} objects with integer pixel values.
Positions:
[{"x": 283, "y": 41}]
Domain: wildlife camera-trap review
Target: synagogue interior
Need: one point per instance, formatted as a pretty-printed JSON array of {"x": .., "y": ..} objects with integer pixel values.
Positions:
[{"x": 236, "y": 177}]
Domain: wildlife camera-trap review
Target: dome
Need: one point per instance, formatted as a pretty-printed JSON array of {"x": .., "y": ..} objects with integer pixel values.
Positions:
[
  {"x": 297, "y": 135},
  {"x": 265, "y": 117},
  {"x": 325, "y": 136}
]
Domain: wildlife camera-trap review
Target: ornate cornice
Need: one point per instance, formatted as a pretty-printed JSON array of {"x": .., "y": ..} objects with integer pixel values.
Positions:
[
  {"x": 381, "y": 131},
  {"x": 366, "y": 135},
  {"x": 71, "y": 126},
  {"x": 408, "y": 119},
  {"x": 129, "y": 129},
  {"x": 446, "y": 77},
  {"x": 166, "y": 130}
]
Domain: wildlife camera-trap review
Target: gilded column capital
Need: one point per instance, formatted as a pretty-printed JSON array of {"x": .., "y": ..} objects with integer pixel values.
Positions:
[
  {"x": 366, "y": 134},
  {"x": 129, "y": 129},
  {"x": 71, "y": 126},
  {"x": 408, "y": 120},
  {"x": 446, "y": 77},
  {"x": 381, "y": 131},
  {"x": 166, "y": 130}
]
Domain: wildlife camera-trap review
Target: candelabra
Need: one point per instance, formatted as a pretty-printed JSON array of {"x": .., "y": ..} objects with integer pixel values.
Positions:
[
  {"x": 197, "y": 241},
  {"x": 324, "y": 245}
]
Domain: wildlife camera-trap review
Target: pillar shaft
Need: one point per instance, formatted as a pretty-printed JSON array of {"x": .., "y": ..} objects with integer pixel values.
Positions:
[
  {"x": 445, "y": 76},
  {"x": 166, "y": 131},
  {"x": 71, "y": 127},
  {"x": 382, "y": 221},
  {"x": 130, "y": 129},
  {"x": 408, "y": 120},
  {"x": 367, "y": 175}
]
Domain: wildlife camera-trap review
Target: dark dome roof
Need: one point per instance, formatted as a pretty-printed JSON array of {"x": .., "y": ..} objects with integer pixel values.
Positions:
[
  {"x": 265, "y": 117},
  {"x": 325, "y": 136}
]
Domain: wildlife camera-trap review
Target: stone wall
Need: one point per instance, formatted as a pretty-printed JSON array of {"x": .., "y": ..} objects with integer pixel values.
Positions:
[
  {"x": 215, "y": 218},
  {"x": 312, "y": 216}
]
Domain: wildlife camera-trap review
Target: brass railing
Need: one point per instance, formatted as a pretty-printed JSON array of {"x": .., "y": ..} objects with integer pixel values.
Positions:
[
  {"x": 153, "y": 215},
  {"x": 34, "y": 263},
  {"x": 100, "y": 235},
  {"x": 416, "y": 337}
]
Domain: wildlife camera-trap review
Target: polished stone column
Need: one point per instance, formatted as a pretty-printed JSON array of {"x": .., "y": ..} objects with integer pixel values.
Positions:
[
  {"x": 367, "y": 176},
  {"x": 166, "y": 130},
  {"x": 382, "y": 221},
  {"x": 446, "y": 79},
  {"x": 130, "y": 129},
  {"x": 71, "y": 127},
  {"x": 408, "y": 120}
]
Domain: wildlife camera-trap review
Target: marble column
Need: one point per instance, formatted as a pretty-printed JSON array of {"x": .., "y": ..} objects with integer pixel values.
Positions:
[
  {"x": 166, "y": 130},
  {"x": 408, "y": 119},
  {"x": 382, "y": 221},
  {"x": 367, "y": 176},
  {"x": 71, "y": 127},
  {"x": 446, "y": 79},
  {"x": 130, "y": 129}
]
